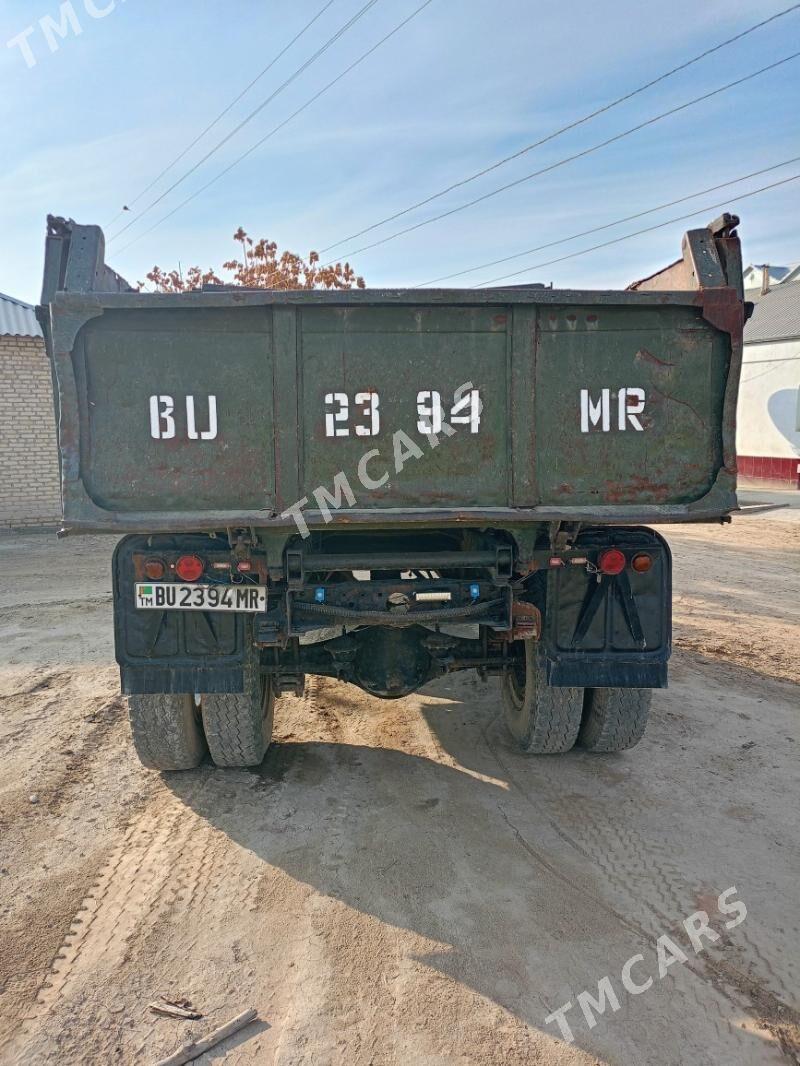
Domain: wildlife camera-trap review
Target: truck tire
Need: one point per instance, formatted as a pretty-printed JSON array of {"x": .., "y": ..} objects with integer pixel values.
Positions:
[
  {"x": 543, "y": 720},
  {"x": 614, "y": 718},
  {"x": 166, "y": 729},
  {"x": 238, "y": 725}
]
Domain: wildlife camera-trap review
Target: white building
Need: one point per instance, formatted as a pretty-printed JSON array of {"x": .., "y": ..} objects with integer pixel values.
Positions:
[
  {"x": 768, "y": 415},
  {"x": 757, "y": 274}
]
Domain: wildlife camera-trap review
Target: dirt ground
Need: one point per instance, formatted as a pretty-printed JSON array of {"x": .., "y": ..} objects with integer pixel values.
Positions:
[{"x": 395, "y": 885}]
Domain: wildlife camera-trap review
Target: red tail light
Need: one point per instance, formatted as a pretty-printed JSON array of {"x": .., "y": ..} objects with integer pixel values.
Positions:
[
  {"x": 189, "y": 567},
  {"x": 612, "y": 561},
  {"x": 154, "y": 569}
]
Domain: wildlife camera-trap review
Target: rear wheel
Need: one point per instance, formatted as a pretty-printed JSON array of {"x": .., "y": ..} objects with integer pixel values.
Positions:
[
  {"x": 166, "y": 729},
  {"x": 542, "y": 719},
  {"x": 614, "y": 718},
  {"x": 238, "y": 725}
]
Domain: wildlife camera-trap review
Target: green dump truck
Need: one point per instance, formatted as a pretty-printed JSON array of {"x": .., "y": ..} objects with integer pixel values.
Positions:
[{"x": 385, "y": 486}]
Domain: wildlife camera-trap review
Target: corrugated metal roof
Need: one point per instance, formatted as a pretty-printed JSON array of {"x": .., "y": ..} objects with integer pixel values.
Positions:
[
  {"x": 17, "y": 319},
  {"x": 776, "y": 316}
]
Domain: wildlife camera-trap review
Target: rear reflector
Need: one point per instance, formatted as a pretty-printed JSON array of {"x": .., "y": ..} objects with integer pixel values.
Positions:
[
  {"x": 154, "y": 569},
  {"x": 611, "y": 561},
  {"x": 189, "y": 567},
  {"x": 641, "y": 563}
]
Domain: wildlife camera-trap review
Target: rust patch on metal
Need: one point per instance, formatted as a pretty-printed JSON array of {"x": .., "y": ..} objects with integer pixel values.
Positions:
[
  {"x": 683, "y": 403},
  {"x": 725, "y": 311},
  {"x": 646, "y": 355},
  {"x": 636, "y": 488}
]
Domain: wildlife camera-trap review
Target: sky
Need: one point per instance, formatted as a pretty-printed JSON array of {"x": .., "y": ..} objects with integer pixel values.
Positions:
[{"x": 90, "y": 118}]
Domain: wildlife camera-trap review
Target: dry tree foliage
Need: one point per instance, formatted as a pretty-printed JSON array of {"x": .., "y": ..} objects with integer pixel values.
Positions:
[{"x": 261, "y": 267}]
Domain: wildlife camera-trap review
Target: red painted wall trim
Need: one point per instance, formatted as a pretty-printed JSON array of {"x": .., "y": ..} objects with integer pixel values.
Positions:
[{"x": 769, "y": 468}]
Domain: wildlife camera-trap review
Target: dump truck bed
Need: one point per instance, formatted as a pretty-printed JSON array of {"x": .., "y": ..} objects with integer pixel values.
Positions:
[{"x": 217, "y": 409}]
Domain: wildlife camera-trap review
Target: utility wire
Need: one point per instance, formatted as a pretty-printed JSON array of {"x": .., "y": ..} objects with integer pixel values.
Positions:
[
  {"x": 638, "y": 232},
  {"x": 564, "y": 129},
  {"x": 222, "y": 113},
  {"x": 763, "y": 373},
  {"x": 292, "y": 77},
  {"x": 783, "y": 359},
  {"x": 572, "y": 158},
  {"x": 280, "y": 125},
  {"x": 609, "y": 225}
]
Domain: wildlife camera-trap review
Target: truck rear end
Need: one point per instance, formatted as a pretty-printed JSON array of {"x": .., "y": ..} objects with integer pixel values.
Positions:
[{"x": 385, "y": 486}]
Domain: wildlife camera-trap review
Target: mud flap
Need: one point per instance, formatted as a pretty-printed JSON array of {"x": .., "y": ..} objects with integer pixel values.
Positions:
[
  {"x": 604, "y": 631},
  {"x": 173, "y": 651}
]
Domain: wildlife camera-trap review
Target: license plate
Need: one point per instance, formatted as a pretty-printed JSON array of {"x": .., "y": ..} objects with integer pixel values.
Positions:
[{"x": 172, "y": 596}]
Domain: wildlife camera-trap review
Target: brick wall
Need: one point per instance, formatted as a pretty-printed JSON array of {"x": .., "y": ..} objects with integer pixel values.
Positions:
[{"x": 29, "y": 481}]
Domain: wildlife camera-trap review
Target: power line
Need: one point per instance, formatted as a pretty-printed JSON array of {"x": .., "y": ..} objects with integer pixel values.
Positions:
[
  {"x": 312, "y": 59},
  {"x": 783, "y": 359},
  {"x": 609, "y": 225},
  {"x": 639, "y": 232},
  {"x": 763, "y": 373},
  {"x": 224, "y": 112},
  {"x": 563, "y": 129},
  {"x": 571, "y": 158},
  {"x": 280, "y": 125}
]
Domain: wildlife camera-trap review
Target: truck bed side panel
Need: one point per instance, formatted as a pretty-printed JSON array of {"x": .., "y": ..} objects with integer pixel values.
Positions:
[{"x": 210, "y": 410}]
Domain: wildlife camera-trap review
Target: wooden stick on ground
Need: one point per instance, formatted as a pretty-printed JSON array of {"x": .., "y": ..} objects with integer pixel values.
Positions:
[
  {"x": 198, "y": 1047},
  {"x": 172, "y": 1010}
]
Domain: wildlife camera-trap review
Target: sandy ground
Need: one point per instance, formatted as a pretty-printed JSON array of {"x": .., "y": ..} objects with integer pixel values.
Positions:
[{"x": 395, "y": 885}]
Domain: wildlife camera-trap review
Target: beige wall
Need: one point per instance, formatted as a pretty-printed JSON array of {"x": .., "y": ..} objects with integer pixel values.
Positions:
[
  {"x": 29, "y": 483},
  {"x": 769, "y": 400}
]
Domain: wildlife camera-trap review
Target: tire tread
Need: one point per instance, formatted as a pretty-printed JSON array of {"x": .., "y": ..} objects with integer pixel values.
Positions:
[
  {"x": 237, "y": 731},
  {"x": 165, "y": 730},
  {"x": 614, "y": 719},
  {"x": 550, "y": 715}
]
